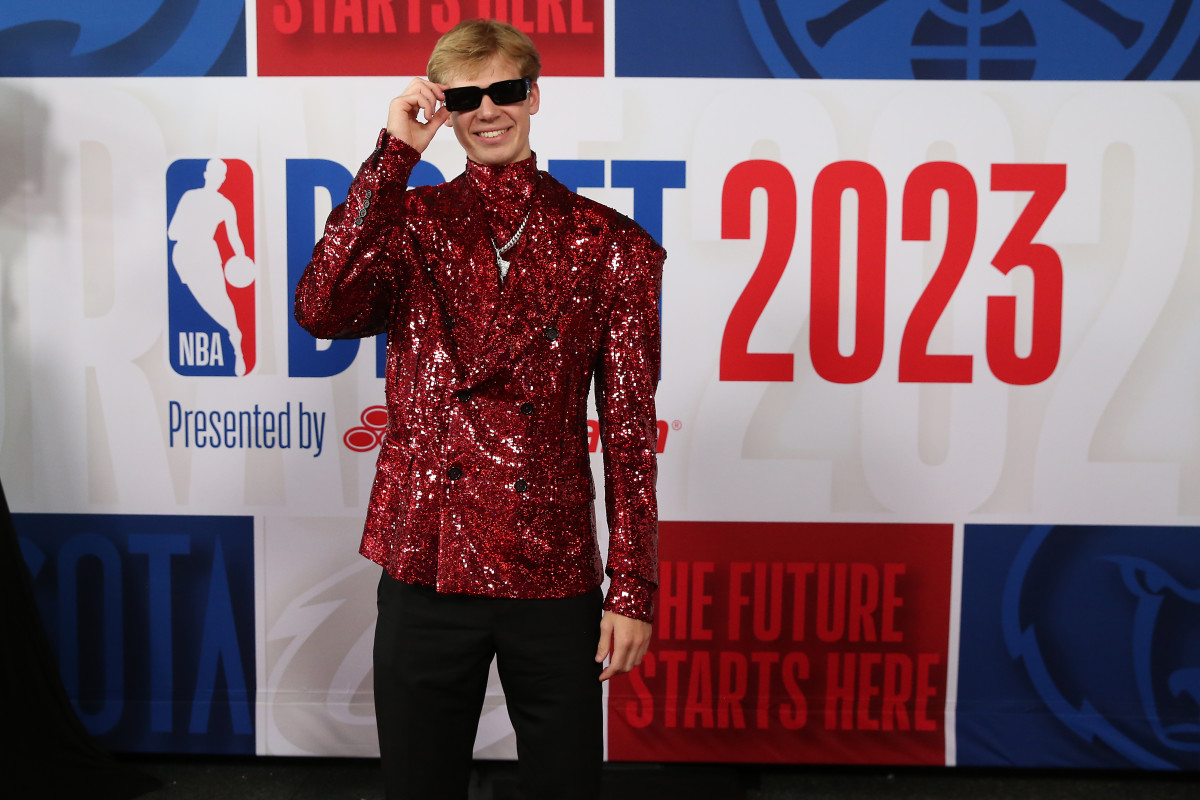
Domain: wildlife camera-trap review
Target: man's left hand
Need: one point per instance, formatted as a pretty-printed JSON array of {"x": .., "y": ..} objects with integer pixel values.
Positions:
[{"x": 624, "y": 641}]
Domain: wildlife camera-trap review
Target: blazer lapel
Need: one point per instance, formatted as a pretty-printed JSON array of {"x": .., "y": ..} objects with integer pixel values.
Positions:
[
  {"x": 529, "y": 303},
  {"x": 463, "y": 273}
]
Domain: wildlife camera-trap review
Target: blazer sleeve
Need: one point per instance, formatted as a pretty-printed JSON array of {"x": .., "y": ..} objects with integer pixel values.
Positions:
[
  {"x": 349, "y": 287},
  {"x": 626, "y": 379}
]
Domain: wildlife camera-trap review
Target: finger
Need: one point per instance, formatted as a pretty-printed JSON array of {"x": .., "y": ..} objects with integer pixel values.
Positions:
[
  {"x": 420, "y": 99},
  {"x": 406, "y": 105},
  {"x": 604, "y": 646},
  {"x": 641, "y": 651},
  {"x": 419, "y": 93},
  {"x": 618, "y": 663},
  {"x": 419, "y": 84},
  {"x": 435, "y": 98},
  {"x": 624, "y": 649},
  {"x": 435, "y": 88},
  {"x": 615, "y": 663},
  {"x": 437, "y": 119}
]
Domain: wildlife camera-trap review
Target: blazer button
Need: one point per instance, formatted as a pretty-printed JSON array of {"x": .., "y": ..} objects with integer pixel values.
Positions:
[
  {"x": 454, "y": 473},
  {"x": 463, "y": 394},
  {"x": 527, "y": 408},
  {"x": 521, "y": 485},
  {"x": 550, "y": 333}
]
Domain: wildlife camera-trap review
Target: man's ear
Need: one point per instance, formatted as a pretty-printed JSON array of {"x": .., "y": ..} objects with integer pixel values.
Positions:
[{"x": 535, "y": 98}]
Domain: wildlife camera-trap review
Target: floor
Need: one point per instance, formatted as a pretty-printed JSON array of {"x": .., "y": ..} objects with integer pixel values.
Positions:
[{"x": 354, "y": 779}]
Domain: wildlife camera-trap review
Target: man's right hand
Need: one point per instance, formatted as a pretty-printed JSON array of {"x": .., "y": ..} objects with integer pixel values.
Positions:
[{"x": 421, "y": 95}]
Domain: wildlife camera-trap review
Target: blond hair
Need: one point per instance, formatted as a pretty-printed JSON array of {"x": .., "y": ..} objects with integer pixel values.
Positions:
[{"x": 464, "y": 50}]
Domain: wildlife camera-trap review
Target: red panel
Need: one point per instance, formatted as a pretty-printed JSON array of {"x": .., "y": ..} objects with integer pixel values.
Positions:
[
  {"x": 394, "y": 37},
  {"x": 792, "y": 642}
]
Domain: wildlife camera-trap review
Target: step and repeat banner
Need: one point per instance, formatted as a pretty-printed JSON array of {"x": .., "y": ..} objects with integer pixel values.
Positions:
[{"x": 929, "y": 416}]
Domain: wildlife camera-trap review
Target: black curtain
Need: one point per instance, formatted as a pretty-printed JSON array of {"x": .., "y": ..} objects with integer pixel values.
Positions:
[{"x": 50, "y": 753}]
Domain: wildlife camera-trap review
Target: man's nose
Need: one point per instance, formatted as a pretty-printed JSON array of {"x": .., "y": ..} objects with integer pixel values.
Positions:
[{"x": 486, "y": 107}]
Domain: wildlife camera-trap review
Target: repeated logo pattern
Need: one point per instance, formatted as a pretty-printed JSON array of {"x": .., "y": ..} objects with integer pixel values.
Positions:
[{"x": 930, "y": 39}]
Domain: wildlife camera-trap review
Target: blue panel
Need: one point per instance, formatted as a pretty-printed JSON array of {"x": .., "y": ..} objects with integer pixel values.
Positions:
[
  {"x": 79, "y": 38},
  {"x": 1080, "y": 647},
  {"x": 152, "y": 618},
  {"x": 905, "y": 39},
  {"x": 710, "y": 40}
]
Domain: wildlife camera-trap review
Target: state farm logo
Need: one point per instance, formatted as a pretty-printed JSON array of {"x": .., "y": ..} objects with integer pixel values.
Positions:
[
  {"x": 211, "y": 273},
  {"x": 367, "y": 436}
]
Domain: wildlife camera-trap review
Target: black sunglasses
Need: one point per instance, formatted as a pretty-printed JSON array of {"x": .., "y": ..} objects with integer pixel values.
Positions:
[{"x": 503, "y": 93}]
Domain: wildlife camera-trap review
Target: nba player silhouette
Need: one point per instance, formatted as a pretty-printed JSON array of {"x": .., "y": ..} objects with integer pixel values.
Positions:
[{"x": 196, "y": 257}]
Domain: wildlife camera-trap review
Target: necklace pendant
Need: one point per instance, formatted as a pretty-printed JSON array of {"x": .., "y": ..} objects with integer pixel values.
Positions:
[{"x": 501, "y": 264}]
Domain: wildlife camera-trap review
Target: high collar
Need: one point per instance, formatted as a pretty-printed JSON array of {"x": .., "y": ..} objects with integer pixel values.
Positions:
[{"x": 505, "y": 192}]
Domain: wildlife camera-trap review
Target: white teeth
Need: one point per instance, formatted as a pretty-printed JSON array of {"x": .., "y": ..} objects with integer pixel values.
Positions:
[{"x": 489, "y": 134}]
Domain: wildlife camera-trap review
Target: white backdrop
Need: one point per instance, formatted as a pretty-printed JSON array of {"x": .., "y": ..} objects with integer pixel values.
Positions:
[{"x": 1112, "y": 436}]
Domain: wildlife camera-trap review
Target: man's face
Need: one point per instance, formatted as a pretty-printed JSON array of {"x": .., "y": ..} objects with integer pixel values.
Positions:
[{"x": 493, "y": 134}]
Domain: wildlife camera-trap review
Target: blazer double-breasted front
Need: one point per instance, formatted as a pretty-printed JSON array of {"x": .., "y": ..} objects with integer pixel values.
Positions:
[{"x": 484, "y": 482}]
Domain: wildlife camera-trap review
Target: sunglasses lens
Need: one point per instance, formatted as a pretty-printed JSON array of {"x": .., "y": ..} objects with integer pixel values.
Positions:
[
  {"x": 464, "y": 98},
  {"x": 505, "y": 92}
]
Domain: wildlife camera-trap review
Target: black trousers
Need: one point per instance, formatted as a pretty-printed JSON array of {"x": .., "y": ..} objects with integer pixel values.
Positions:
[{"x": 432, "y": 656}]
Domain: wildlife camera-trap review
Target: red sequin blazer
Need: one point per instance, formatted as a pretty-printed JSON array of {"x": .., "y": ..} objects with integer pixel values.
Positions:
[{"x": 484, "y": 483}]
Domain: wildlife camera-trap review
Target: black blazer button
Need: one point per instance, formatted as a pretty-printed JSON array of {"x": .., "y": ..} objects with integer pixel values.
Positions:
[
  {"x": 463, "y": 394},
  {"x": 454, "y": 473},
  {"x": 551, "y": 333},
  {"x": 521, "y": 485},
  {"x": 526, "y": 408}
]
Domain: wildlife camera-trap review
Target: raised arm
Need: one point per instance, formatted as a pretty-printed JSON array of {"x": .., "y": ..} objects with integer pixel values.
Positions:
[{"x": 357, "y": 267}]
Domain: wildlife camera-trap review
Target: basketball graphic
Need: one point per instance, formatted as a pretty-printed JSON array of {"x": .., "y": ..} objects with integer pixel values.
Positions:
[{"x": 240, "y": 271}]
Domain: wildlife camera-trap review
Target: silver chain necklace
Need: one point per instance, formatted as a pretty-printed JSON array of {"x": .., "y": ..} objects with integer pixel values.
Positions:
[{"x": 501, "y": 263}]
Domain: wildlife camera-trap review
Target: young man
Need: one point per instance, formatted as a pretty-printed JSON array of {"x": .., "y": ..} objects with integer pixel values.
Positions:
[{"x": 504, "y": 296}]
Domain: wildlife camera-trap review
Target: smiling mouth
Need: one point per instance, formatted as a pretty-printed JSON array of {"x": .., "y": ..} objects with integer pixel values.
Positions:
[{"x": 492, "y": 134}]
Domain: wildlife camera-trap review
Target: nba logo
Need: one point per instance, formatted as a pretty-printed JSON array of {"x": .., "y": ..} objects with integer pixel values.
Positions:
[{"x": 211, "y": 273}]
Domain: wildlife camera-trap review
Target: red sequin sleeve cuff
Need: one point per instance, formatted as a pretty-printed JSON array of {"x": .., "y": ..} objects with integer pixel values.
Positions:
[{"x": 632, "y": 597}]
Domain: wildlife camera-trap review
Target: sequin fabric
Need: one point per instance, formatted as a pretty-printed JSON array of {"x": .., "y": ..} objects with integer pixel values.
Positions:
[{"x": 483, "y": 482}]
